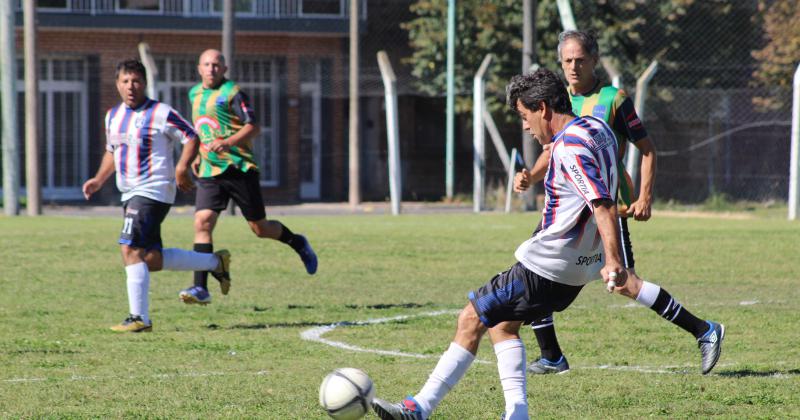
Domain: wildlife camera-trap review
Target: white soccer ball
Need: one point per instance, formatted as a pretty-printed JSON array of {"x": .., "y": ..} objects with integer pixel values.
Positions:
[{"x": 346, "y": 394}]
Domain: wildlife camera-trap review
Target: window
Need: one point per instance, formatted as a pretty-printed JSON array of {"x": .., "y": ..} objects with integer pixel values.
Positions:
[
  {"x": 52, "y": 4},
  {"x": 140, "y": 5},
  {"x": 243, "y": 6},
  {"x": 321, "y": 7}
]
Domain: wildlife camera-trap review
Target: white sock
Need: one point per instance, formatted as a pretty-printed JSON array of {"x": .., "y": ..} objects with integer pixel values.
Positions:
[
  {"x": 511, "y": 367},
  {"x": 176, "y": 259},
  {"x": 648, "y": 294},
  {"x": 451, "y": 367},
  {"x": 138, "y": 286}
]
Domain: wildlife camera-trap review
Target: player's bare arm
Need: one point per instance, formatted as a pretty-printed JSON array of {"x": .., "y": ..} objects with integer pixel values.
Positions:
[
  {"x": 642, "y": 207},
  {"x": 248, "y": 132},
  {"x": 605, "y": 214},
  {"x": 188, "y": 154},
  {"x": 525, "y": 178},
  {"x": 103, "y": 173}
]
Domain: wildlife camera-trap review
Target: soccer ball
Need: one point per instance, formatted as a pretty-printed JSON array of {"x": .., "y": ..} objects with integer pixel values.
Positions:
[{"x": 346, "y": 394}]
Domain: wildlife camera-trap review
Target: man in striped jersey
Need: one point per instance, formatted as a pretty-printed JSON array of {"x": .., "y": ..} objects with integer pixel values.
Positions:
[
  {"x": 579, "y": 54},
  {"x": 577, "y": 242},
  {"x": 226, "y": 169},
  {"x": 140, "y": 134}
]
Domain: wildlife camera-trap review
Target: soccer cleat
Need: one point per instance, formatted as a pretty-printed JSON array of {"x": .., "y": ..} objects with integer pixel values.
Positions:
[
  {"x": 195, "y": 294},
  {"x": 544, "y": 366},
  {"x": 308, "y": 256},
  {"x": 134, "y": 324},
  {"x": 711, "y": 345},
  {"x": 406, "y": 410},
  {"x": 222, "y": 273}
]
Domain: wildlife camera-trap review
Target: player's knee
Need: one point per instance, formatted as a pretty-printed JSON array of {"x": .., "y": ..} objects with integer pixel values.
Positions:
[{"x": 469, "y": 322}]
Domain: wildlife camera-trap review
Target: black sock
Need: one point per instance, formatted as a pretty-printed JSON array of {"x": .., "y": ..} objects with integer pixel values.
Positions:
[
  {"x": 545, "y": 331},
  {"x": 674, "y": 312},
  {"x": 201, "y": 277},
  {"x": 289, "y": 238}
]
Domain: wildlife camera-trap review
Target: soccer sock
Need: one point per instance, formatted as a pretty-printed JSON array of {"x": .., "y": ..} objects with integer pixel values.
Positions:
[
  {"x": 451, "y": 367},
  {"x": 182, "y": 260},
  {"x": 289, "y": 238},
  {"x": 138, "y": 286},
  {"x": 659, "y": 300},
  {"x": 201, "y": 277},
  {"x": 511, "y": 367},
  {"x": 545, "y": 331}
]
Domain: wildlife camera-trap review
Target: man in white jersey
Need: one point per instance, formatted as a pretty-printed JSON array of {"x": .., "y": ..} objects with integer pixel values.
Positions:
[
  {"x": 140, "y": 134},
  {"x": 578, "y": 242}
]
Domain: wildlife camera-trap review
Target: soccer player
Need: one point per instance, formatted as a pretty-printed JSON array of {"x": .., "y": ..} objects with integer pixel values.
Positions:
[
  {"x": 576, "y": 242},
  {"x": 578, "y": 53},
  {"x": 140, "y": 134},
  {"x": 226, "y": 169}
]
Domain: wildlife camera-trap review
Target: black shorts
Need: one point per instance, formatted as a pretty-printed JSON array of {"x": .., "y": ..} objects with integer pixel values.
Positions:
[
  {"x": 243, "y": 187},
  {"x": 141, "y": 226},
  {"x": 519, "y": 294},
  {"x": 625, "y": 242}
]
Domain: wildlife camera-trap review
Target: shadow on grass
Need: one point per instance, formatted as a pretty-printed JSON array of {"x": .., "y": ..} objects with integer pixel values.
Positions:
[{"x": 743, "y": 373}]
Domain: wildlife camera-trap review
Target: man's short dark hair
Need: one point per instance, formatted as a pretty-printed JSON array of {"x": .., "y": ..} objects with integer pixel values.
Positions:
[
  {"x": 540, "y": 86},
  {"x": 131, "y": 66},
  {"x": 586, "y": 39}
]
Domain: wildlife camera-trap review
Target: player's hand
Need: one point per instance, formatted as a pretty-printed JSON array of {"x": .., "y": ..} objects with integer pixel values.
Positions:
[
  {"x": 182, "y": 178},
  {"x": 522, "y": 181},
  {"x": 196, "y": 166},
  {"x": 219, "y": 146},
  {"x": 640, "y": 210},
  {"x": 90, "y": 187},
  {"x": 615, "y": 273}
]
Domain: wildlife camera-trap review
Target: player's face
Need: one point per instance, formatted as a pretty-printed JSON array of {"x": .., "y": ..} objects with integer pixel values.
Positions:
[
  {"x": 211, "y": 67},
  {"x": 131, "y": 88},
  {"x": 534, "y": 123},
  {"x": 578, "y": 66}
]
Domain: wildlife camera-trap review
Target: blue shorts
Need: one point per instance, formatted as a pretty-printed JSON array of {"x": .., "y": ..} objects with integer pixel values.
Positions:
[
  {"x": 519, "y": 294},
  {"x": 141, "y": 226}
]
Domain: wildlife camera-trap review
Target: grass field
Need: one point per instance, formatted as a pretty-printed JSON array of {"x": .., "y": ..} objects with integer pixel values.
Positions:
[{"x": 242, "y": 356}]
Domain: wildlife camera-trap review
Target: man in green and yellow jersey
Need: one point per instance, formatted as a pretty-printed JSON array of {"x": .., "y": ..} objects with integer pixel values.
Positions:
[
  {"x": 578, "y": 54},
  {"x": 226, "y": 169}
]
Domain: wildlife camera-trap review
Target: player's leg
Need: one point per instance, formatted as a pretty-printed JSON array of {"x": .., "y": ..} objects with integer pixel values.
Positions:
[
  {"x": 551, "y": 359},
  {"x": 510, "y": 352},
  {"x": 141, "y": 232},
  {"x": 245, "y": 190},
  {"x": 448, "y": 371},
  {"x": 210, "y": 199},
  {"x": 708, "y": 334}
]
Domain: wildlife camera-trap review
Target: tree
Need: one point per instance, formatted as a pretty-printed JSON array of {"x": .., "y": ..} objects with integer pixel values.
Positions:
[{"x": 779, "y": 57}]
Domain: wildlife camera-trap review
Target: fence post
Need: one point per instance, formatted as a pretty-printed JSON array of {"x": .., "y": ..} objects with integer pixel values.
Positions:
[
  {"x": 510, "y": 184},
  {"x": 478, "y": 141},
  {"x": 392, "y": 131},
  {"x": 794, "y": 160},
  {"x": 633, "y": 155},
  {"x": 8, "y": 61}
]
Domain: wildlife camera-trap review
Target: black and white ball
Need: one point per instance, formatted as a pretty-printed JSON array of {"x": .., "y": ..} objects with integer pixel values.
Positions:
[{"x": 346, "y": 393}]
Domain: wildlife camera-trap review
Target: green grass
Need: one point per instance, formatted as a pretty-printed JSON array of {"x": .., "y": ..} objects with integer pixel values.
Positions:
[{"x": 63, "y": 285}]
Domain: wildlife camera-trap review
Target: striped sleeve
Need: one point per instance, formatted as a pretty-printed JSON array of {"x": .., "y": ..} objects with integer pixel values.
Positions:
[
  {"x": 178, "y": 128},
  {"x": 580, "y": 167},
  {"x": 109, "y": 115}
]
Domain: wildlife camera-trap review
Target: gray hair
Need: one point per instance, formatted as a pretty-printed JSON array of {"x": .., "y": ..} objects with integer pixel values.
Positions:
[{"x": 586, "y": 39}]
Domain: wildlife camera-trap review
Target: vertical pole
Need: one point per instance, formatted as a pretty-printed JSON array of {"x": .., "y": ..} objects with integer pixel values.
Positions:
[
  {"x": 451, "y": 101},
  {"x": 228, "y": 51},
  {"x": 32, "y": 172},
  {"x": 510, "y": 184},
  {"x": 794, "y": 160},
  {"x": 633, "y": 155},
  {"x": 8, "y": 67},
  {"x": 355, "y": 139},
  {"x": 392, "y": 131},
  {"x": 478, "y": 139},
  {"x": 529, "y": 150}
]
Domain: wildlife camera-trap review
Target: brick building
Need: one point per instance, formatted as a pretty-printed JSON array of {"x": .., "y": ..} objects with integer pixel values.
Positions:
[{"x": 290, "y": 58}]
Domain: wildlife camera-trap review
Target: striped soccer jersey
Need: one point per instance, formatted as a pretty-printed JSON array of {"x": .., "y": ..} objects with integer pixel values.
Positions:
[
  {"x": 567, "y": 248},
  {"x": 218, "y": 114},
  {"x": 142, "y": 141}
]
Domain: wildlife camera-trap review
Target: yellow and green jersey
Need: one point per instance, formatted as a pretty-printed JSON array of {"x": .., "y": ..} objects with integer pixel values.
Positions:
[
  {"x": 614, "y": 107},
  {"x": 218, "y": 114}
]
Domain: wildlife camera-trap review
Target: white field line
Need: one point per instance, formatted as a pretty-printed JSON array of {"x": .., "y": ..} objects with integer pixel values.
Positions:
[{"x": 155, "y": 376}]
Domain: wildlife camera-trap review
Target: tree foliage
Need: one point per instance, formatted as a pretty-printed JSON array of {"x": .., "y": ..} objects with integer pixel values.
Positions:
[{"x": 778, "y": 59}]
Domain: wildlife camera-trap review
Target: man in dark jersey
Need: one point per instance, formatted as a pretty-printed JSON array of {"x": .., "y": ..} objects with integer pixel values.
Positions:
[
  {"x": 224, "y": 119},
  {"x": 578, "y": 53}
]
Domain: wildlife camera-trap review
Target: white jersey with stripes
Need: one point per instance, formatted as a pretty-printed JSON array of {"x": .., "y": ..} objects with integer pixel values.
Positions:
[
  {"x": 567, "y": 247},
  {"x": 142, "y": 141}
]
